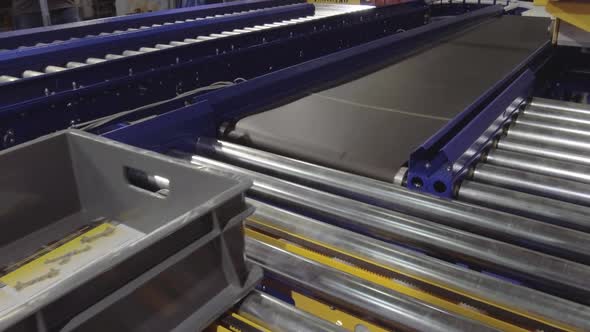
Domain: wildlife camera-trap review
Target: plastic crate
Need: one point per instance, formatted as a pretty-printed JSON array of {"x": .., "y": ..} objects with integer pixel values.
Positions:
[{"x": 98, "y": 235}]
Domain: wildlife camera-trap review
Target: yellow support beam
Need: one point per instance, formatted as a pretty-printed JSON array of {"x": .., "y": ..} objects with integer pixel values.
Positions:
[{"x": 574, "y": 12}]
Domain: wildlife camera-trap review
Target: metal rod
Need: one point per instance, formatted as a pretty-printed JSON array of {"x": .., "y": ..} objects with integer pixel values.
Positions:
[
  {"x": 557, "y": 115},
  {"x": 559, "y": 105},
  {"x": 382, "y": 304},
  {"x": 562, "y": 126},
  {"x": 543, "y": 150},
  {"x": 534, "y": 267},
  {"x": 541, "y": 236},
  {"x": 45, "y": 14},
  {"x": 537, "y": 184},
  {"x": 539, "y": 165},
  {"x": 478, "y": 285},
  {"x": 541, "y": 208},
  {"x": 277, "y": 315},
  {"x": 558, "y": 140}
]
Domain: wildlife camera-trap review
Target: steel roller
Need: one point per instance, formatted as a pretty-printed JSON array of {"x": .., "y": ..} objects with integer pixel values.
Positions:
[
  {"x": 563, "y": 278},
  {"x": 279, "y": 316},
  {"x": 549, "y": 210},
  {"x": 540, "y": 185},
  {"x": 558, "y": 105},
  {"x": 382, "y": 304},
  {"x": 541, "y": 236},
  {"x": 557, "y": 140},
  {"x": 543, "y": 150},
  {"x": 539, "y": 165},
  {"x": 554, "y": 125},
  {"x": 465, "y": 281},
  {"x": 569, "y": 118}
]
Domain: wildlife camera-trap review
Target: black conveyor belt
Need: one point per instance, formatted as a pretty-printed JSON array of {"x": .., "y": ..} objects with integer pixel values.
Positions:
[{"x": 370, "y": 125}]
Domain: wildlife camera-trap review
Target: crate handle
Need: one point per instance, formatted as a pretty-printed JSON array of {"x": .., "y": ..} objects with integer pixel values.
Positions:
[{"x": 155, "y": 184}]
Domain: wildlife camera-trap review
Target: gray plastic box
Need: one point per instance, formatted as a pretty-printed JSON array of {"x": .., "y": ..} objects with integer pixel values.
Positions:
[{"x": 100, "y": 236}]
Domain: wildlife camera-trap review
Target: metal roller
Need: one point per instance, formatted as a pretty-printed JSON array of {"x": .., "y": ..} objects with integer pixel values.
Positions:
[
  {"x": 543, "y": 150},
  {"x": 542, "y": 271},
  {"x": 541, "y": 208},
  {"x": 148, "y": 49},
  {"x": 541, "y": 185},
  {"x": 31, "y": 73},
  {"x": 54, "y": 69},
  {"x": 478, "y": 285},
  {"x": 381, "y": 304},
  {"x": 279, "y": 316},
  {"x": 579, "y": 143},
  {"x": 556, "y": 115},
  {"x": 113, "y": 56},
  {"x": 541, "y": 236},
  {"x": 539, "y": 165},
  {"x": 575, "y": 128},
  {"x": 6, "y": 79},
  {"x": 74, "y": 64},
  {"x": 131, "y": 53},
  {"x": 558, "y": 105},
  {"x": 92, "y": 61}
]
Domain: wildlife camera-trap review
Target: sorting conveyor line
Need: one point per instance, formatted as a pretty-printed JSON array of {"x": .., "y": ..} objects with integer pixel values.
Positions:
[
  {"x": 37, "y": 62},
  {"x": 537, "y": 168},
  {"x": 536, "y": 269},
  {"x": 78, "y": 95},
  {"x": 122, "y": 24},
  {"x": 454, "y": 287},
  {"x": 387, "y": 307},
  {"x": 371, "y": 124},
  {"x": 505, "y": 227}
]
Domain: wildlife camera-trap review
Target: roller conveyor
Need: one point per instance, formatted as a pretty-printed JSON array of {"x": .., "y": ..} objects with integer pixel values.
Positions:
[
  {"x": 392, "y": 309},
  {"x": 423, "y": 235},
  {"x": 537, "y": 171},
  {"x": 417, "y": 270},
  {"x": 504, "y": 227},
  {"x": 109, "y": 42},
  {"x": 130, "y": 23},
  {"x": 330, "y": 145}
]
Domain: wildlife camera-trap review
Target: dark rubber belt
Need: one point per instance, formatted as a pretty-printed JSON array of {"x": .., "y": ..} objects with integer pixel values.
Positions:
[{"x": 370, "y": 125}]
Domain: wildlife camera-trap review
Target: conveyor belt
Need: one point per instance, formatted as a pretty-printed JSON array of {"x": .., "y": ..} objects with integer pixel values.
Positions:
[{"x": 370, "y": 125}]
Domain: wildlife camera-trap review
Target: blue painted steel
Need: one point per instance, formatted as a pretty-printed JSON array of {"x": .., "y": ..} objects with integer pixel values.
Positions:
[
  {"x": 438, "y": 164},
  {"x": 108, "y": 88},
  {"x": 29, "y": 37},
  {"x": 14, "y": 63},
  {"x": 473, "y": 138},
  {"x": 177, "y": 129}
]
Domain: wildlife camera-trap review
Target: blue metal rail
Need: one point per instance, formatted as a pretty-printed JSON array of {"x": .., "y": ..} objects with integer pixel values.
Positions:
[
  {"x": 444, "y": 159},
  {"x": 31, "y": 37},
  {"x": 158, "y": 75}
]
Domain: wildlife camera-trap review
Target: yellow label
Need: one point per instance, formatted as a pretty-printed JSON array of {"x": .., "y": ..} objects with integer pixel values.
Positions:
[{"x": 60, "y": 263}]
